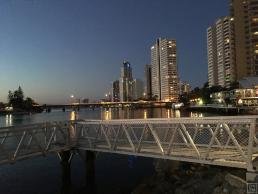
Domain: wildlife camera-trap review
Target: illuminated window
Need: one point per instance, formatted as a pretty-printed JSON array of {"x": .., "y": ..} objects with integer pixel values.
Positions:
[{"x": 255, "y": 19}]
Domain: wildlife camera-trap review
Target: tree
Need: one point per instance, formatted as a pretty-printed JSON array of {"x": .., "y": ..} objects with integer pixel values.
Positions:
[
  {"x": 10, "y": 97},
  {"x": 16, "y": 100},
  {"x": 28, "y": 103}
]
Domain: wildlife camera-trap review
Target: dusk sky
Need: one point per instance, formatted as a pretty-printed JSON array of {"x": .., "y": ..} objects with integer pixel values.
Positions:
[{"x": 55, "y": 48}]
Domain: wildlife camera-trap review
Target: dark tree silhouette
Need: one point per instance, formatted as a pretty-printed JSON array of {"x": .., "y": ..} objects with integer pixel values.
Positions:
[{"x": 16, "y": 100}]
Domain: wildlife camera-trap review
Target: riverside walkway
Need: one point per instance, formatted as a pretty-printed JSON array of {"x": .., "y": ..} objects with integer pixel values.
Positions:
[{"x": 222, "y": 141}]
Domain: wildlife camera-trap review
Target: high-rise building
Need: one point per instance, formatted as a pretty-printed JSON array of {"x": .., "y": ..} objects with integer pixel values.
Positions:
[
  {"x": 115, "y": 91},
  {"x": 221, "y": 55},
  {"x": 137, "y": 89},
  {"x": 148, "y": 88},
  {"x": 212, "y": 56},
  {"x": 164, "y": 70},
  {"x": 245, "y": 16},
  {"x": 125, "y": 83}
]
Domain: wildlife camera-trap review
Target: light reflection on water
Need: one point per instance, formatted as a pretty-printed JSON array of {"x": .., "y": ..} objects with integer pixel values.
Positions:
[
  {"x": 196, "y": 114},
  {"x": 9, "y": 120},
  {"x": 73, "y": 116},
  {"x": 104, "y": 114},
  {"x": 126, "y": 113}
]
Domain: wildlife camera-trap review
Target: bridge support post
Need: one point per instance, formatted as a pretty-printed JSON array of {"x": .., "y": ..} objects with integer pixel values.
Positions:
[
  {"x": 90, "y": 171},
  {"x": 65, "y": 157},
  {"x": 252, "y": 177}
]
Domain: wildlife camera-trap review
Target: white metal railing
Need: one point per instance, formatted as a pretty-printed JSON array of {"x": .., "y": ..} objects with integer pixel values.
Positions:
[
  {"x": 21, "y": 142},
  {"x": 224, "y": 141}
]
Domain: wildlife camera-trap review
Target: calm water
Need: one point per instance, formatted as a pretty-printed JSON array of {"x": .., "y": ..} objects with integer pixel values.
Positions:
[{"x": 114, "y": 173}]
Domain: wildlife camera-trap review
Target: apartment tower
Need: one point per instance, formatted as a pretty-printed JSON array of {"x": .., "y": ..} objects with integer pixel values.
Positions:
[
  {"x": 221, "y": 53},
  {"x": 245, "y": 16},
  {"x": 164, "y": 70}
]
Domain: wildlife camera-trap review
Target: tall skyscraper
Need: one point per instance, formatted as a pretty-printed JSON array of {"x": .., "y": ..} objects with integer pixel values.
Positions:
[
  {"x": 164, "y": 70},
  {"x": 115, "y": 91},
  {"x": 125, "y": 83},
  {"x": 212, "y": 56},
  {"x": 221, "y": 55},
  {"x": 245, "y": 15},
  {"x": 137, "y": 89},
  {"x": 148, "y": 88}
]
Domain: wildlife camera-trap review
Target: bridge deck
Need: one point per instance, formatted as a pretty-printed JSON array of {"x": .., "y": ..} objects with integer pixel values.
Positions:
[{"x": 224, "y": 141}]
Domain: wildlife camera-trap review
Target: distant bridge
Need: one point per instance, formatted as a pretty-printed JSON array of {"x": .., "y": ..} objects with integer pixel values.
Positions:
[
  {"x": 222, "y": 141},
  {"x": 138, "y": 104}
]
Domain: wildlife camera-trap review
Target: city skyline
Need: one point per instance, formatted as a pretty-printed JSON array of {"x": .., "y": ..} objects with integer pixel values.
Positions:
[{"x": 54, "y": 49}]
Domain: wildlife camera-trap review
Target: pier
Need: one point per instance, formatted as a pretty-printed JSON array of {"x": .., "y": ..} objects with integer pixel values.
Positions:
[{"x": 222, "y": 141}]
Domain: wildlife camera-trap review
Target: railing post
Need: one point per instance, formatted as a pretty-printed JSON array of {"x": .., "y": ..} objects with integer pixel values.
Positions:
[
  {"x": 252, "y": 173},
  {"x": 250, "y": 167}
]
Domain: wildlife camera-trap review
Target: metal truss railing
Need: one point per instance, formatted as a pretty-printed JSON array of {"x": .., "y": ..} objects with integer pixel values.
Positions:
[
  {"x": 224, "y": 141},
  {"x": 31, "y": 140}
]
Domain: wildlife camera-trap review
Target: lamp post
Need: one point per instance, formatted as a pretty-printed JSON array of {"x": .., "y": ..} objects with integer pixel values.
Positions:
[{"x": 72, "y": 98}]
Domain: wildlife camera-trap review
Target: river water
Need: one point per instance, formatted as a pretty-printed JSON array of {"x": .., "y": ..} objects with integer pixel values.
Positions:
[{"x": 113, "y": 173}]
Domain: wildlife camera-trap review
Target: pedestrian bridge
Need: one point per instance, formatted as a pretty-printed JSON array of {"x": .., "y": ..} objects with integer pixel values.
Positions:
[{"x": 222, "y": 141}]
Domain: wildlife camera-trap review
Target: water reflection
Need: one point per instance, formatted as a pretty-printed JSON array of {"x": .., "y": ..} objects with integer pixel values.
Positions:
[
  {"x": 168, "y": 113},
  {"x": 129, "y": 113},
  {"x": 73, "y": 116},
  {"x": 108, "y": 114},
  {"x": 145, "y": 114},
  {"x": 196, "y": 114},
  {"x": 9, "y": 120},
  {"x": 177, "y": 113}
]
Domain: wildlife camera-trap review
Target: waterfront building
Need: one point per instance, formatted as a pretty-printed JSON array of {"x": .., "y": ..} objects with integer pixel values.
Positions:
[
  {"x": 245, "y": 16},
  {"x": 221, "y": 53},
  {"x": 236, "y": 97},
  {"x": 164, "y": 70},
  {"x": 148, "y": 84},
  {"x": 115, "y": 91},
  {"x": 125, "y": 82},
  {"x": 138, "y": 89}
]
